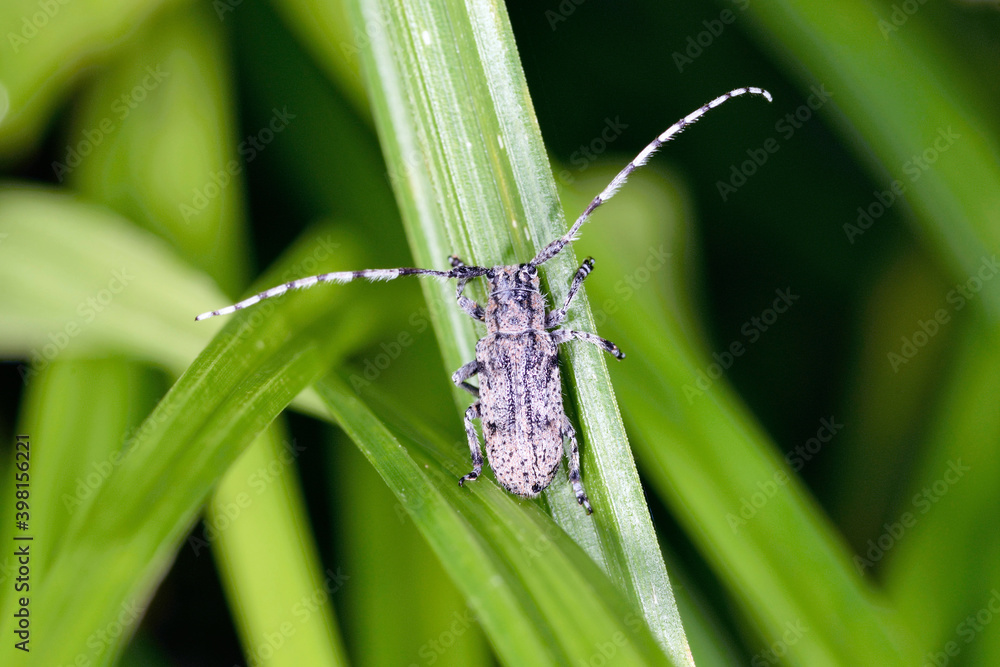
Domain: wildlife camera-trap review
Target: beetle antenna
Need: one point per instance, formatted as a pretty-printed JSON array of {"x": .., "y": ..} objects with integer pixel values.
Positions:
[
  {"x": 554, "y": 248},
  {"x": 460, "y": 271}
]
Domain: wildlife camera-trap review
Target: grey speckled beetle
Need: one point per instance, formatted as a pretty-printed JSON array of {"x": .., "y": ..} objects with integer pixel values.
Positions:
[{"x": 519, "y": 398}]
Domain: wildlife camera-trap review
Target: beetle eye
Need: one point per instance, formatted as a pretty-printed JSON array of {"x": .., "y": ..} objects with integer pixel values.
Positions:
[
  {"x": 491, "y": 274},
  {"x": 532, "y": 270}
]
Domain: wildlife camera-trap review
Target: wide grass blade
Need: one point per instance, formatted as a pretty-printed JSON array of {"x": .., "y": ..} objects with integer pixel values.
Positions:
[
  {"x": 472, "y": 178},
  {"x": 257, "y": 529}
]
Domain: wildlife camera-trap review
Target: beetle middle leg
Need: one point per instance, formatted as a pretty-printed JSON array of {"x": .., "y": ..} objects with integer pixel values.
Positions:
[
  {"x": 460, "y": 376},
  {"x": 560, "y": 336},
  {"x": 573, "y": 456}
]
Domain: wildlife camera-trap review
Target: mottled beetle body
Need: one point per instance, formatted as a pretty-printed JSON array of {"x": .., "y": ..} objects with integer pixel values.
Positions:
[
  {"x": 520, "y": 393},
  {"x": 519, "y": 397}
]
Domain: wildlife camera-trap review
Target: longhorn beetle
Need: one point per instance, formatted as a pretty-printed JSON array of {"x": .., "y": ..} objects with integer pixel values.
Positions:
[{"x": 519, "y": 397}]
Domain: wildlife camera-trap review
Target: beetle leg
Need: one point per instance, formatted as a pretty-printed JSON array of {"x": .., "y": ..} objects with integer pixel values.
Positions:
[
  {"x": 573, "y": 456},
  {"x": 474, "y": 310},
  {"x": 560, "y": 336},
  {"x": 556, "y": 317},
  {"x": 464, "y": 373},
  {"x": 477, "y": 455}
]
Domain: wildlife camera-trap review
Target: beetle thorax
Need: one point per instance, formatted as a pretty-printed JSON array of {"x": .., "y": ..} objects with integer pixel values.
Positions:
[{"x": 515, "y": 300}]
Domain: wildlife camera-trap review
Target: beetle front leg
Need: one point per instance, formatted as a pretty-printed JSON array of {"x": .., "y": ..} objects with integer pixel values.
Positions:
[
  {"x": 560, "y": 336},
  {"x": 474, "y": 310},
  {"x": 477, "y": 455},
  {"x": 573, "y": 456},
  {"x": 556, "y": 317}
]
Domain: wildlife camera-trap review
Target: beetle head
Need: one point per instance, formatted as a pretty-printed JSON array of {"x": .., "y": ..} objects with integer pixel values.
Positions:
[{"x": 515, "y": 299}]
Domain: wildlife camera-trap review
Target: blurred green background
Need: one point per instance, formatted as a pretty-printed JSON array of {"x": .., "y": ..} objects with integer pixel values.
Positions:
[{"x": 829, "y": 315}]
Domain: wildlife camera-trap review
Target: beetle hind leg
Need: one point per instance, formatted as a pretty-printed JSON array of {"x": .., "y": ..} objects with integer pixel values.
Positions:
[
  {"x": 477, "y": 455},
  {"x": 573, "y": 456}
]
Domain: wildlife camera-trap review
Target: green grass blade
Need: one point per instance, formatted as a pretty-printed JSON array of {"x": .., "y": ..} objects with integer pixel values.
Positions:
[
  {"x": 138, "y": 518},
  {"x": 472, "y": 178},
  {"x": 78, "y": 454},
  {"x": 535, "y": 593},
  {"x": 957, "y": 478},
  {"x": 187, "y": 187},
  {"x": 63, "y": 266},
  {"x": 258, "y": 531},
  {"x": 393, "y": 572},
  {"x": 75, "y": 446}
]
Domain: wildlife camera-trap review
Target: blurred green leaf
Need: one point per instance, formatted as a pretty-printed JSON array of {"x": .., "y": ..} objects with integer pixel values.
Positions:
[
  {"x": 394, "y": 572},
  {"x": 96, "y": 286},
  {"x": 187, "y": 187},
  {"x": 47, "y": 45},
  {"x": 957, "y": 477},
  {"x": 257, "y": 529},
  {"x": 713, "y": 464},
  {"x": 942, "y": 151},
  {"x": 171, "y": 94},
  {"x": 147, "y": 505}
]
